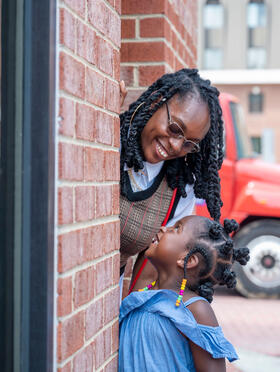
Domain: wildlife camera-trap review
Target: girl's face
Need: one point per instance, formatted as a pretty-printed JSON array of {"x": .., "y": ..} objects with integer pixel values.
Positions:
[
  {"x": 190, "y": 114},
  {"x": 171, "y": 242}
]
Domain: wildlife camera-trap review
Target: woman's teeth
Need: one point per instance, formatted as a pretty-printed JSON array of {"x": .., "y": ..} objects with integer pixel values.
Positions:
[{"x": 161, "y": 151}]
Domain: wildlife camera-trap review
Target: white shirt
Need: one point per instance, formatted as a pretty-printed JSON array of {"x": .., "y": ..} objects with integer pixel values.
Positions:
[{"x": 145, "y": 178}]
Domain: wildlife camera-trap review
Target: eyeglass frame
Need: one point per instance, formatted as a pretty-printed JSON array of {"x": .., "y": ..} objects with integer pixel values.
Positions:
[{"x": 196, "y": 145}]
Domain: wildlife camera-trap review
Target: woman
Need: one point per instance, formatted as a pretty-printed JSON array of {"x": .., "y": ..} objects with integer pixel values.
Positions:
[{"x": 171, "y": 151}]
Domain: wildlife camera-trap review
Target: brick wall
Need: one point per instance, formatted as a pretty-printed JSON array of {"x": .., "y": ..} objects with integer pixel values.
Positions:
[
  {"x": 158, "y": 36},
  {"x": 88, "y": 187}
]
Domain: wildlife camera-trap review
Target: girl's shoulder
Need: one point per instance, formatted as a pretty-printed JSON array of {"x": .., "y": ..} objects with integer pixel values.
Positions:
[{"x": 202, "y": 312}]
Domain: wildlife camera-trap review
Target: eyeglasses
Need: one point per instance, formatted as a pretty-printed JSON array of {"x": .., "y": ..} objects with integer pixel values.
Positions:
[{"x": 175, "y": 131}]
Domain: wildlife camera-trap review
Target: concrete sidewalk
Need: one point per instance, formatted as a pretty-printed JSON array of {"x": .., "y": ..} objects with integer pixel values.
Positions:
[{"x": 253, "y": 327}]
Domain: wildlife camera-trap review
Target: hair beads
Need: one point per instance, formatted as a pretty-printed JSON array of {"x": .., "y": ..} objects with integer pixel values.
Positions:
[
  {"x": 183, "y": 286},
  {"x": 148, "y": 287}
]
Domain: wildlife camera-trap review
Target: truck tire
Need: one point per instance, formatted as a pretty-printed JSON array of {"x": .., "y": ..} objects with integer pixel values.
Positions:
[{"x": 261, "y": 276}]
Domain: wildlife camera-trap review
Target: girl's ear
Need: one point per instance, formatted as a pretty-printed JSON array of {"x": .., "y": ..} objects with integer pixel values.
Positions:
[{"x": 193, "y": 261}]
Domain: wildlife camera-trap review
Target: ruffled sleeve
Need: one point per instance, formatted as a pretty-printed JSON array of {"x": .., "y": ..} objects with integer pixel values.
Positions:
[{"x": 162, "y": 302}]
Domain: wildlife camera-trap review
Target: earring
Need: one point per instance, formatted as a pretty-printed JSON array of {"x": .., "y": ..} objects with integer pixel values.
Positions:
[
  {"x": 186, "y": 160},
  {"x": 137, "y": 108},
  {"x": 182, "y": 290}
]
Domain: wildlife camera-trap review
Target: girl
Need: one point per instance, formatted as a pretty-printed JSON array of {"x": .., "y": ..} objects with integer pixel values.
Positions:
[
  {"x": 171, "y": 151},
  {"x": 169, "y": 325}
]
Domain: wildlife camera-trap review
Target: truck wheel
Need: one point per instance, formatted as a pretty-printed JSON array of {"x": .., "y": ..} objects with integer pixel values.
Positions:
[{"x": 261, "y": 276}]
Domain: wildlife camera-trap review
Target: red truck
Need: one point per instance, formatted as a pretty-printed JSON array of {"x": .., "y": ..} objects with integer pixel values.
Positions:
[{"x": 250, "y": 191}]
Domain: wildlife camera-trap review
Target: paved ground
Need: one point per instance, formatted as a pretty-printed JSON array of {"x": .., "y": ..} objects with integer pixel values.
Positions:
[{"x": 253, "y": 326}]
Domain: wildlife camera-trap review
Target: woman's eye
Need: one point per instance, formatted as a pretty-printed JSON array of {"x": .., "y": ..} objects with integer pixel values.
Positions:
[{"x": 175, "y": 129}]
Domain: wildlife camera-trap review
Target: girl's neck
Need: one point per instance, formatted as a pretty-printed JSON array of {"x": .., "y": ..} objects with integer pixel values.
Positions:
[{"x": 173, "y": 282}]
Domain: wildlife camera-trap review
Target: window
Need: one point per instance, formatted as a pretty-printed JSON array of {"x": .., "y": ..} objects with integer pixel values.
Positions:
[
  {"x": 256, "y": 101},
  {"x": 213, "y": 19},
  {"x": 256, "y": 22},
  {"x": 257, "y": 144}
]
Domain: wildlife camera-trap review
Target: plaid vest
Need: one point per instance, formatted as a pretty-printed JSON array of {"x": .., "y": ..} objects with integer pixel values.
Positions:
[{"x": 141, "y": 216}]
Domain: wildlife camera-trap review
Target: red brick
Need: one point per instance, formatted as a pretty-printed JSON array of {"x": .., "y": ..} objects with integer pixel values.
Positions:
[
  {"x": 114, "y": 32},
  {"x": 103, "y": 201},
  {"x": 87, "y": 43},
  {"x": 107, "y": 342},
  {"x": 65, "y": 205},
  {"x": 66, "y": 29},
  {"x": 64, "y": 298},
  {"x": 143, "y": 6},
  {"x": 71, "y": 162},
  {"x": 94, "y": 318},
  {"x": 103, "y": 275},
  {"x": 116, "y": 269},
  {"x": 142, "y": 52},
  {"x": 116, "y": 64},
  {"x": 118, "y": 4},
  {"x": 72, "y": 76},
  {"x": 116, "y": 199},
  {"x": 84, "y": 286},
  {"x": 86, "y": 118},
  {"x": 94, "y": 164},
  {"x": 70, "y": 336},
  {"x": 110, "y": 238},
  {"x": 112, "y": 366},
  {"x": 112, "y": 96},
  {"x": 67, "y": 117},
  {"x": 128, "y": 28},
  {"x": 115, "y": 336},
  {"x": 111, "y": 305},
  {"x": 152, "y": 27},
  {"x": 78, "y": 6},
  {"x": 116, "y": 132},
  {"x": 98, "y": 15},
  {"x": 66, "y": 368},
  {"x": 105, "y": 20},
  {"x": 104, "y": 128},
  {"x": 105, "y": 57},
  {"x": 127, "y": 75},
  {"x": 85, "y": 203},
  {"x": 84, "y": 361},
  {"x": 98, "y": 239},
  {"x": 99, "y": 350},
  {"x": 74, "y": 248},
  {"x": 148, "y": 74},
  {"x": 95, "y": 87},
  {"x": 112, "y": 166}
]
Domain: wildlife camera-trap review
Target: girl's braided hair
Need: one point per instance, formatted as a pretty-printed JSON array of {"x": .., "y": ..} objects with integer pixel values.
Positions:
[
  {"x": 202, "y": 169},
  {"x": 218, "y": 254}
]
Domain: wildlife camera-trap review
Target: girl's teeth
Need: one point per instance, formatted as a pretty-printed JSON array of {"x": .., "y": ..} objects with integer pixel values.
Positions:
[{"x": 161, "y": 151}]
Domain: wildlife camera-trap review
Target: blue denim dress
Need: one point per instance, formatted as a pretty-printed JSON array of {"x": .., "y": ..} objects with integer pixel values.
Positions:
[{"x": 149, "y": 337}]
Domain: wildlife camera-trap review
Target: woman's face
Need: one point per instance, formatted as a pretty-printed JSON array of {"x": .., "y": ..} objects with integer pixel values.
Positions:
[{"x": 190, "y": 113}]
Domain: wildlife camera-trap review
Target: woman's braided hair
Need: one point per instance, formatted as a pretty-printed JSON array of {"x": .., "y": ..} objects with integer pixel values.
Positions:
[
  {"x": 218, "y": 254},
  {"x": 202, "y": 169}
]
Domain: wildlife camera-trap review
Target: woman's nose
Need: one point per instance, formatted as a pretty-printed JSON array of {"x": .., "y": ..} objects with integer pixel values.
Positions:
[{"x": 176, "y": 145}]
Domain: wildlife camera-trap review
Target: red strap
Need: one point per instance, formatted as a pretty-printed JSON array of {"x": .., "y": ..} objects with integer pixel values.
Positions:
[{"x": 163, "y": 224}]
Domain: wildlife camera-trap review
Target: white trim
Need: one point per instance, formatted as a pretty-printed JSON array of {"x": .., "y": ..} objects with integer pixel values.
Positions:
[{"x": 237, "y": 77}]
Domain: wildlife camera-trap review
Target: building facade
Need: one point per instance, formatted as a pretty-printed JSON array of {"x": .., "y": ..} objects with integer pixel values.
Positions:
[
  {"x": 59, "y": 266},
  {"x": 238, "y": 51}
]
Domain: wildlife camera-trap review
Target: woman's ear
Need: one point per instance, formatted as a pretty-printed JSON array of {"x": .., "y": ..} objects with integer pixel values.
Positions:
[{"x": 193, "y": 261}]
